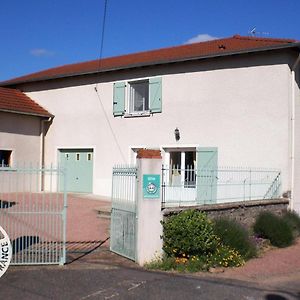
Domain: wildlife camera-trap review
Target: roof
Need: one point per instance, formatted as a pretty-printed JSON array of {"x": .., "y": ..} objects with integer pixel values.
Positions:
[
  {"x": 227, "y": 46},
  {"x": 12, "y": 100}
]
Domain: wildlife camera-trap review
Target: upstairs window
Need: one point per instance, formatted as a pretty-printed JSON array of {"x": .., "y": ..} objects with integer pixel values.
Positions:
[{"x": 137, "y": 98}]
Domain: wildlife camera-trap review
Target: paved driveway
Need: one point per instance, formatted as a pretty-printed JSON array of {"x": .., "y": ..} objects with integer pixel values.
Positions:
[
  {"x": 83, "y": 220},
  {"x": 86, "y": 228}
]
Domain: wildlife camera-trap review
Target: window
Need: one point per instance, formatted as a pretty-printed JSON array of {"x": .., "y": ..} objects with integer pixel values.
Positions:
[
  {"x": 5, "y": 158},
  {"x": 89, "y": 156},
  {"x": 77, "y": 156},
  {"x": 137, "y": 98},
  {"x": 182, "y": 167}
]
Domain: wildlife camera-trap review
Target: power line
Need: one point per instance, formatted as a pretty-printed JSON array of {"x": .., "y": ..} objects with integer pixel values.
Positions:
[
  {"x": 102, "y": 34},
  {"x": 96, "y": 87}
]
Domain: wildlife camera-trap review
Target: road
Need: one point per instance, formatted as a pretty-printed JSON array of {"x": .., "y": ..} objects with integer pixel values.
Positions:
[{"x": 104, "y": 281}]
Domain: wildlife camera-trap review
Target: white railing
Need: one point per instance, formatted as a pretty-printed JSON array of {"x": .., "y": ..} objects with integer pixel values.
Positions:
[{"x": 189, "y": 186}]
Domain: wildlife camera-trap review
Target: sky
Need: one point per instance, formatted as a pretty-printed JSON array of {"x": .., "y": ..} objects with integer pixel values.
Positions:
[{"x": 41, "y": 34}]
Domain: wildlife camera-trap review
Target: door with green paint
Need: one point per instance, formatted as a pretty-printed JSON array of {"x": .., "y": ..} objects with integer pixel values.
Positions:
[
  {"x": 79, "y": 166},
  {"x": 207, "y": 170}
]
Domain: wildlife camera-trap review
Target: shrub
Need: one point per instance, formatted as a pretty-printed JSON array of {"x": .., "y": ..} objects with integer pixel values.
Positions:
[
  {"x": 224, "y": 256},
  {"x": 233, "y": 235},
  {"x": 188, "y": 233},
  {"x": 164, "y": 263},
  {"x": 293, "y": 220},
  {"x": 271, "y": 227},
  {"x": 192, "y": 264},
  {"x": 190, "y": 244}
]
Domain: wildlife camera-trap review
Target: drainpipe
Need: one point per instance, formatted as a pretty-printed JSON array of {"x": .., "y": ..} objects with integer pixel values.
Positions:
[
  {"x": 293, "y": 130},
  {"x": 42, "y": 147}
]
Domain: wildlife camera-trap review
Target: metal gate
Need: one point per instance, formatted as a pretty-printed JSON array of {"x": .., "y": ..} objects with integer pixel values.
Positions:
[
  {"x": 33, "y": 213},
  {"x": 123, "y": 216}
]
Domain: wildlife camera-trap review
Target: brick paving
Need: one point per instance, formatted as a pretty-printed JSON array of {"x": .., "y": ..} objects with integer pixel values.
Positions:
[{"x": 83, "y": 220}]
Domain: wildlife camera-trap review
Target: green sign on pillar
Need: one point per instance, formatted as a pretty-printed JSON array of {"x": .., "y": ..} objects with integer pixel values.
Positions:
[{"x": 151, "y": 186}]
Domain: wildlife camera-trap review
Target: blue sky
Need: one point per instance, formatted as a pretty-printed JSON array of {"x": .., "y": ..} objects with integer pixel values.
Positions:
[{"x": 40, "y": 34}]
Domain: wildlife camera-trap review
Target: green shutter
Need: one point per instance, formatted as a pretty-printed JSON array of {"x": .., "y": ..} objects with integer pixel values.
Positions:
[
  {"x": 155, "y": 95},
  {"x": 207, "y": 171},
  {"x": 119, "y": 99}
]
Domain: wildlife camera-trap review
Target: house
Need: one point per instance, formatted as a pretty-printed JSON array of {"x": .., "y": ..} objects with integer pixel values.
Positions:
[
  {"x": 22, "y": 128},
  {"x": 232, "y": 101}
]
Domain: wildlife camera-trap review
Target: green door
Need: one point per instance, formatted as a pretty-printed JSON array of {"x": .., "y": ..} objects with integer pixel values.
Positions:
[
  {"x": 79, "y": 166},
  {"x": 207, "y": 169}
]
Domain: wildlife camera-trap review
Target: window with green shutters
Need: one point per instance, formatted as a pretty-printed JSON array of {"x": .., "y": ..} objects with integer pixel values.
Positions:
[{"x": 137, "y": 98}]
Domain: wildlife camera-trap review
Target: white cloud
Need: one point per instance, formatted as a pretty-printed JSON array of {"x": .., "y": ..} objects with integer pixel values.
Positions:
[
  {"x": 41, "y": 52},
  {"x": 201, "y": 38}
]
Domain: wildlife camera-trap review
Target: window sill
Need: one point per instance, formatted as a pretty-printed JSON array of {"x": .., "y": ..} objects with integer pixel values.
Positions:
[
  {"x": 7, "y": 169},
  {"x": 137, "y": 114}
]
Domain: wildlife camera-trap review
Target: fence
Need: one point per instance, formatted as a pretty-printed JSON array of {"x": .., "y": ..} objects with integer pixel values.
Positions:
[
  {"x": 184, "y": 187},
  {"x": 123, "y": 216},
  {"x": 34, "y": 219}
]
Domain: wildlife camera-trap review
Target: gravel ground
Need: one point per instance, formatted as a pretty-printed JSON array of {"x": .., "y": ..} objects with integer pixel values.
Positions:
[{"x": 275, "y": 263}]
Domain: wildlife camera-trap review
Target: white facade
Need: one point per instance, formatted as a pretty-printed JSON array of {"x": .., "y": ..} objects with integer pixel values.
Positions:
[{"x": 241, "y": 104}]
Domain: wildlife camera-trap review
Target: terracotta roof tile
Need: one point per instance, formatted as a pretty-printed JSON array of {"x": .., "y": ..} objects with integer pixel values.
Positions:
[
  {"x": 234, "y": 44},
  {"x": 13, "y": 100}
]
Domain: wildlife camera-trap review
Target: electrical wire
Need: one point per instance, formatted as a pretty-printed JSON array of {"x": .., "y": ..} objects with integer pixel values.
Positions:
[
  {"x": 102, "y": 34},
  {"x": 96, "y": 87}
]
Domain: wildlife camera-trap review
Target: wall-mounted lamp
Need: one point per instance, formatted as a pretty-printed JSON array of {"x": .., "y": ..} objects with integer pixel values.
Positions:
[{"x": 177, "y": 134}]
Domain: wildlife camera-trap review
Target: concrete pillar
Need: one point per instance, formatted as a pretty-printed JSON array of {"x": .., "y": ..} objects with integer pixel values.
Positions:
[{"x": 149, "y": 215}]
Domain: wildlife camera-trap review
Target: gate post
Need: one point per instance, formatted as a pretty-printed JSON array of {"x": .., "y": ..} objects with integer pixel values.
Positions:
[{"x": 149, "y": 215}]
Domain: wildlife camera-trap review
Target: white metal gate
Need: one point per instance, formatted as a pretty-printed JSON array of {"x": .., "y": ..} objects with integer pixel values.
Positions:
[
  {"x": 123, "y": 216},
  {"x": 33, "y": 213}
]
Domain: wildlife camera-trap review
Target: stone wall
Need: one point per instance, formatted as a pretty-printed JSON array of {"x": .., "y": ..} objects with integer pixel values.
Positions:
[{"x": 243, "y": 212}]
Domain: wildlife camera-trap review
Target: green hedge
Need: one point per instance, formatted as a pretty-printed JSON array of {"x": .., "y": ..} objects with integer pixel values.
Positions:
[
  {"x": 188, "y": 233},
  {"x": 235, "y": 236},
  {"x": 274, "y": 228},
  {"x": 293, "y": 220}
]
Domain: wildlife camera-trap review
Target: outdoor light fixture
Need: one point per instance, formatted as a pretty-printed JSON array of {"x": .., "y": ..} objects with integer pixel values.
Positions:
[{"x": 177, "y": 134}]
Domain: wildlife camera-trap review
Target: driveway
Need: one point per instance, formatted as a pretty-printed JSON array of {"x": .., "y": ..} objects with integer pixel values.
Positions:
[{"x": 88, "y": 224}]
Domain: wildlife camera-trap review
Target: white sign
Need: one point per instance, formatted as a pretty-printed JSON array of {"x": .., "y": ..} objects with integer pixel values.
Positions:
[{"x": 5, "y": 251}]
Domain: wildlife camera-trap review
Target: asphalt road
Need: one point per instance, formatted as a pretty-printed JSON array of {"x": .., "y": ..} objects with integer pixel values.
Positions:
[{"x": 96, "y": 281}]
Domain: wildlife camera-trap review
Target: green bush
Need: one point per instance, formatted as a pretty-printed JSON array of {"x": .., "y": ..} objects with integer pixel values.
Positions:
[
  {"x": 192, "y": 264},
  {"x": 164, "y": 263},
  {"x": 233, "y": 235},
  {"x": 274, "y": 228},
  {"x": 190, "y": 244},
  {"x": 224, "y": 256},
  {"x": 188, "y": 233},
  {"x": 293, "y": 220}
]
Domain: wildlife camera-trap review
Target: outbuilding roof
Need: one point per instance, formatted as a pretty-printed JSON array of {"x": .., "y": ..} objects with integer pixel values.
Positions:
[
  {"x": 12, "y": 100},
  {"x": 226, "y": 46}
]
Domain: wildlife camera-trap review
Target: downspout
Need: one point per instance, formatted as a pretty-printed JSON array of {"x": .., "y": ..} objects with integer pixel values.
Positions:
[
  {"x": 42, "y": 148},
  {"x": 293, "y": 130}
]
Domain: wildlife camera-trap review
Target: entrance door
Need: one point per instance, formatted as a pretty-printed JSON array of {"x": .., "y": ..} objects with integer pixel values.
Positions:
[{"x": 79, "y": 166}]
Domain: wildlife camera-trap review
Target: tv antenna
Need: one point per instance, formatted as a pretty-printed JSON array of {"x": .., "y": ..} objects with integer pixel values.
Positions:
[{"x": 253, "y": 32}]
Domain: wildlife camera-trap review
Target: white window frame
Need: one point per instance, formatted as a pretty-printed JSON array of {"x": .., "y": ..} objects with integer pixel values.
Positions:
[
  {"x": 182, "y": 148},
  {"x": 130, "y": 112}
]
